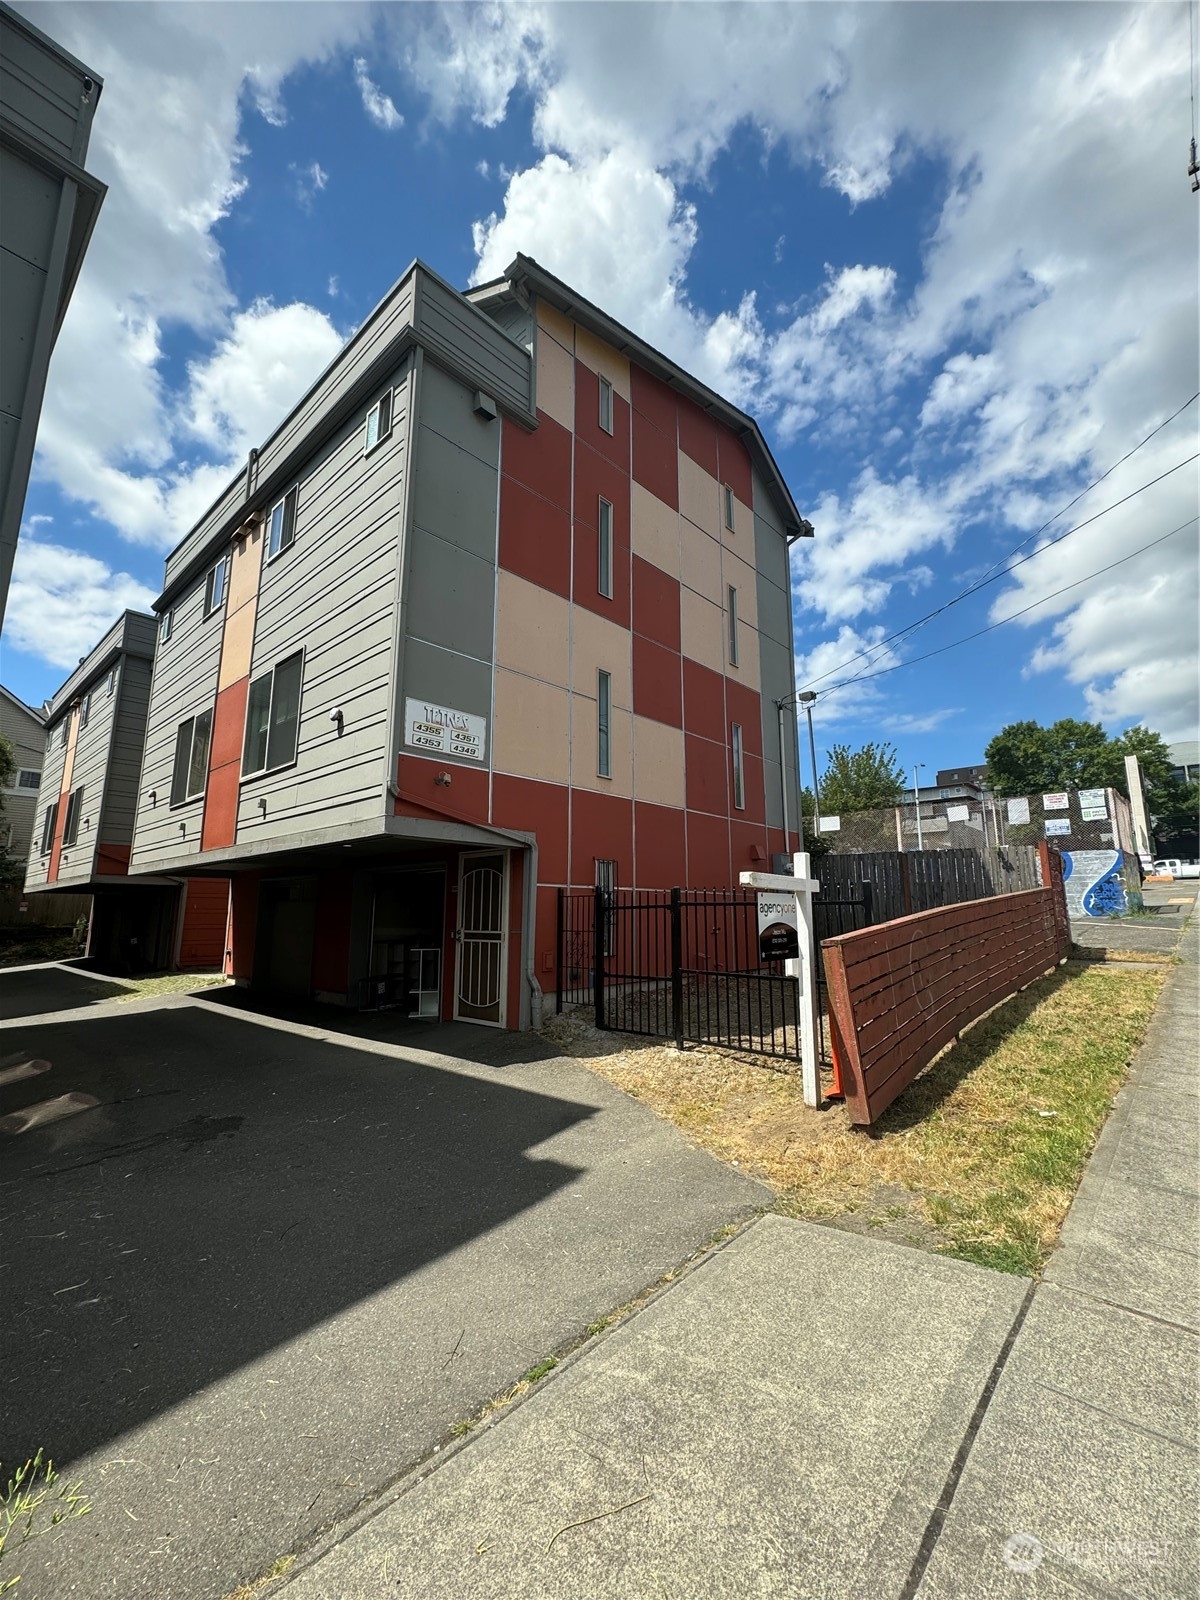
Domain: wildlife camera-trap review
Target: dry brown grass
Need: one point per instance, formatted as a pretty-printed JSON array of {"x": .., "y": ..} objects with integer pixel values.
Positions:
[{"x": 979, "y": 1158}]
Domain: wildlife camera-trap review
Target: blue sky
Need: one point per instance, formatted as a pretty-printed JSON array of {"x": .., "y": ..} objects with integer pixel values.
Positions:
[{"x": 946, "y": 255}]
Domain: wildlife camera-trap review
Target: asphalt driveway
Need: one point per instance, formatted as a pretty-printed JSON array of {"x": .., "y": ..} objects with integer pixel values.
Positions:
[
  {"x": 273, "y": 1269},
  {"x": 38, "y": 990}
]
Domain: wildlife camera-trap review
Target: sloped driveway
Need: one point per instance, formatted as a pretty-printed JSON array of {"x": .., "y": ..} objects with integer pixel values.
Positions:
[{"x": 275, "y": 1267}]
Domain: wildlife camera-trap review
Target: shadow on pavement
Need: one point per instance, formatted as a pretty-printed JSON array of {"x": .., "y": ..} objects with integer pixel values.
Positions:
[
  {"x": 237, "y": 1185},
  {"x": 31, "y": 991}
]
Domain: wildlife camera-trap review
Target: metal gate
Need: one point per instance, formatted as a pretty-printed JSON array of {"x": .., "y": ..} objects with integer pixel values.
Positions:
[{"x": 684, "y": 964}]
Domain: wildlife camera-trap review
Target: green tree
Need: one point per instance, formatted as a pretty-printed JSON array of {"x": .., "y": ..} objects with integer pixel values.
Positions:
[
  {"x": 860, "y": 780},
  {"x": 10, "y": 870},
  {"x": 1025, "y": 758}
]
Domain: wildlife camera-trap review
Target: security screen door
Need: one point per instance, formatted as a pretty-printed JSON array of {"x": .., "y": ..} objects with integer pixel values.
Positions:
[{"x": 482, "y": 938}]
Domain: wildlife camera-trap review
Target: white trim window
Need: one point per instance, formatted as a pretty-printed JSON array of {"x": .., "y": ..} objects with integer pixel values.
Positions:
[
  {"x": 85, "y": 710},
  {"x": 190, "y": 772},
  {"x": 728, "y": 498},
  {"x": 604, "y": 528},
  {"x": 64, "y": 730},
  {"x": 215, "y": 585},
  {"x": 733, "y": 627},
  {"x": 379, "y": 422},
  {"x": 273, "y": 718},
  {"x": 29, "y": 778},
  {"x": 606, "y": 405},
  {"x": 71, "y": 825},
  {"x": 111, "y": 686},
  {"x": 604, "y": 724},
  {"x": 281, "y": 531},
  {"x": 739, "y": 777},
  {"x": 166, "y": 622}
]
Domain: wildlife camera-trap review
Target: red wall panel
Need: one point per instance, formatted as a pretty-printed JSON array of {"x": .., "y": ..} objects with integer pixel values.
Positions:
[
  {"x": 205, "y": 923},
  {"x": 698, "y": 435},
  {"x": 657, "y": 687},
  {"x": 331, "y": 935},
  {"x": 744, "y": 839},
  {"x": 745, "y": 706},
  {"x": 541, "y": 460},
  {"x": 661, "y": 854},
  {"x": 540, "y": 808},
  {"x": 707, "y": 775},
  {"x": 655, "y": 604},
  {"x": 587, "y": 577},
  {"x": 466, "y": 798},
  {"x": 614, "y": 445},
  {"x": 703, "y": 700},
  {"x": 219, "y": 828},
  {"x": 708, "y": 852},
  {"x": 243, "y": 925},
  {"x": 734, "y": 465},
  {"x": 535, "y": 538},
  {"x": 601, "y": 828}
]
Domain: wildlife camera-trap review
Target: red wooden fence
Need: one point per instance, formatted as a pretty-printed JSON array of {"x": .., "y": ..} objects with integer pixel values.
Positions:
[{"x": 900, "y": 991}]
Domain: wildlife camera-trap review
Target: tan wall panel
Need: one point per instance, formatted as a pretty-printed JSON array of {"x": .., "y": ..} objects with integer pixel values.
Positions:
[
  {"x": 743, "y": 528},
  {"x": 748, "y": 669},
  {"x": 560, "y": 328},
  {"x": 532, "y": 630},
  {"x": 703, "y": 631},
  {"x": 602, "y": 358},
  {"x": 241, "y": 606},
  {"x": 583, "y": 749},
  {"x": 246, "y": 567},
  {"x": 595, "y": 644},
  {"x": 743, "y": 578},
  {"x": 655, "y": 533},
  {"x": 699, "y": 496},
  {"x": 658, "y": 763},
  {"x": 531, "y": 731},
  {"x": 700, "y": 562},
  {"x": 555, "y": 381}
]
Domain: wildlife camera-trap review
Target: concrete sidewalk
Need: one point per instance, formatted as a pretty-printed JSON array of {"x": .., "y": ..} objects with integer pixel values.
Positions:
[{"x": 814, "y": 1413}]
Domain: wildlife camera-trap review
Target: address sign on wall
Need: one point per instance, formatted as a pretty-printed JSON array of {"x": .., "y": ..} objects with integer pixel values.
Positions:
[{"x": 443, "y": 731}]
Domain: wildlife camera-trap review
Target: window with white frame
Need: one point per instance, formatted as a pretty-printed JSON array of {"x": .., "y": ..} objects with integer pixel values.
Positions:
[
  {"x": 606, "y": 405},
  {"x": 27, "y": 778},
  {"x": 273, "y": 717},
  {"x": 165, "y": 623},
  {"x": 215, "y": 585},
  {"x": 85, "y": 710},
  {"x": 605, "y": 526},
  {"x": 281, "y": 533},
  {"x": 739, "y": 779},
  {"x": 604, "y": 724},
  {"x": 112, "y": 683},
  {"x": 379, "y": 420},
  {"x": 190, "y": 772},
  {"x": 728, "y": 506},
  {"x": 71, "y": 824},
  {"x": 64, "y": 729},
  {"x": 49, "y": 820},
  {"x": 733, "y": 627}
]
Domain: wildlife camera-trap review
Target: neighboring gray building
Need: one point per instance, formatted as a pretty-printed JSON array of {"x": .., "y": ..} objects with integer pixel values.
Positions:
[
  {"x": 25, "y": 730},
  {"x": 1185, "y": 760},
  {"x": 50, "y": 204}
]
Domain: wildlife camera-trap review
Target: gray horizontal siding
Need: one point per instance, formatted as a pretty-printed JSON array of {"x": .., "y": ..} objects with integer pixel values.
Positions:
[
  {"x": 185, "y": 682},
  {"x": 52, "y": 771},
  {"x": 125, "y": 751},
  {"x": 334, "y": 595},
  {"x": 41, "y": 92},
  {"x": 457, "y": 333},
  {"x": 92, "y": 744},
  {"x": 347, "y": 371}
]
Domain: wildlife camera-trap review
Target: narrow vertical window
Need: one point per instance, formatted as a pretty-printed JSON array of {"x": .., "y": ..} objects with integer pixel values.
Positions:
[
  {"x": 48, "y": 822},
  {"x": 64, "y": 731},
  {"x": 604, "y": 724},
  {"x": 604, "y": 523},
  {"x": 606, "y": 882},
  {"x": 71, "y": 824},
  {"x": 733, "y": 631},
  {"x": 379, "y": 420},
  {"x": 728, "y": 507},
  {"x": 112, "y": 682},
  {"x": 214, "y": 586},
  {"x": 165, "y": 623},
  {"x": 282, "y": 532},
  {"x": 606, "y": 405},
  {"x": 85, "y": 710},
  {"x": 739, "y": 781}
]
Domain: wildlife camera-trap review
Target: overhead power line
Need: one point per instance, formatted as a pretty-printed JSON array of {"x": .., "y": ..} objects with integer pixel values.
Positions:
[
  {"x": 963, "y": 594},
  {"x": 865, "y": 677}
]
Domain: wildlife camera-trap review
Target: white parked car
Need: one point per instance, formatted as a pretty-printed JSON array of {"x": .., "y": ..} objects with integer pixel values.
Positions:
[{"x": 1172, "y": 867}]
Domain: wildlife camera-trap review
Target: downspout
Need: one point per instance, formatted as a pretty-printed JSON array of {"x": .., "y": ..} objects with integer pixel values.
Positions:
[{"x": 528, "y": 933}]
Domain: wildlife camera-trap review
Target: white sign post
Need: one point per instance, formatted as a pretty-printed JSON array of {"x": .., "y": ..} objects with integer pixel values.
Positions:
[{"x": 803, "y": 968}]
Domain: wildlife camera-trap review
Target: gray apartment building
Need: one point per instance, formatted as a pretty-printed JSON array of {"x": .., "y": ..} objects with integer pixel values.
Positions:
[
  {"x": 25, "y": 730},
  {"x": 50, "y": 204},
  {"x": 501, "y": 607}
]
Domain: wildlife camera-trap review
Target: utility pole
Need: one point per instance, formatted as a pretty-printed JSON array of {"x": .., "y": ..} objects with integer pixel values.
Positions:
[{"x": 917, "y": 802}]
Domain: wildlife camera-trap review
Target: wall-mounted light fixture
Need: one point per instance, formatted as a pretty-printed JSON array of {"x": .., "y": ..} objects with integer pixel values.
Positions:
[
  {"x": 153, "y": 797},
  {"x": 262, "y": 804},
  {"x": 339, "y": 719},
  {"x": 442, "y": 780}
]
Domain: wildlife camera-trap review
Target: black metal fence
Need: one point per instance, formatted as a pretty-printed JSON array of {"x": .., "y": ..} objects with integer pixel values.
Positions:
[{"x": 685, "y": 964}]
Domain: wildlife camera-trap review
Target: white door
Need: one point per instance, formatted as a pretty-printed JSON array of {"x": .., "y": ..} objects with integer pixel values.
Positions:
[{"x": 482, "y": 935}]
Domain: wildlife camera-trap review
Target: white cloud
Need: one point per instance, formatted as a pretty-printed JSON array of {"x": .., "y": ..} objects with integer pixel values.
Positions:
[
  {"x": 62, "y": 601},
  {"x": 920, "y": 721},
  {"x": 378, "y": 106},
  {"x": 309, "y": 181}
]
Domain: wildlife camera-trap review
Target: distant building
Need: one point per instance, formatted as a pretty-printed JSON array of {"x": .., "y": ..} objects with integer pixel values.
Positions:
[
  {"x": 47, "y": 100},
  {"x": 1185, "y": 760},
  {"x": 975, "y": 776},
  {"x": 25, "y": 730}
]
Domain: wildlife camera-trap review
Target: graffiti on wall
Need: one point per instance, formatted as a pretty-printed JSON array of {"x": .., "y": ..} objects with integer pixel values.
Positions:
[{"x": 1092, "y": 879}]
